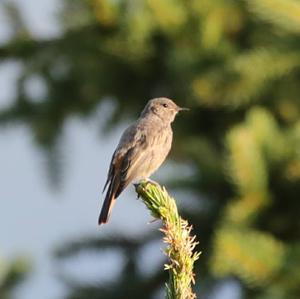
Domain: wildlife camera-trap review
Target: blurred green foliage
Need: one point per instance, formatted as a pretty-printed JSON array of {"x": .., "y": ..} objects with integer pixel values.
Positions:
[
  {"x": 11, "y": 274},
  {"x": 237, "y": 64}
]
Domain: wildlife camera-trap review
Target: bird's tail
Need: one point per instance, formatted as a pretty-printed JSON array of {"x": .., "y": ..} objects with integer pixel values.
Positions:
[{"x": 108, "y": 204}]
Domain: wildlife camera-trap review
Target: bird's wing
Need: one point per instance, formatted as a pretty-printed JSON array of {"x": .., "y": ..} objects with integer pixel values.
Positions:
[
  {"x": 131, "y": 161},
  {"x": 110, "y": 172},
  {"x": 131, "y": 143}
]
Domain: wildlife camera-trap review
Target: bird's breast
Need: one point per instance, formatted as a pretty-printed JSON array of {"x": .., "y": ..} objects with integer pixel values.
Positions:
[{"x": 158, "y": 148}]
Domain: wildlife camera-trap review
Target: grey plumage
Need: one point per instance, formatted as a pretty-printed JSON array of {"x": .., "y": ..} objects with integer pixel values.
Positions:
[{"x": 142, "y": 149}]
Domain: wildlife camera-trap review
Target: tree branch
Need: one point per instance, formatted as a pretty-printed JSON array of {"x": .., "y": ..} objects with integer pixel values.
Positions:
[{"x": 178, "y": 237}]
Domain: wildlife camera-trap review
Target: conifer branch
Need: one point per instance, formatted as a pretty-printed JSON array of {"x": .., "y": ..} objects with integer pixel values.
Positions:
[{"x": 181, "y": 243}]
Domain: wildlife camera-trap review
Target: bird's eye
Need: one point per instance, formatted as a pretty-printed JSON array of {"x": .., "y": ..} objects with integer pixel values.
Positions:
[{"x": 165, "y": 105}]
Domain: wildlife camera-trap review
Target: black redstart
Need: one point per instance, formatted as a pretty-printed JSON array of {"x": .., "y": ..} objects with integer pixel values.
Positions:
[{"x": 142, "y": 149}]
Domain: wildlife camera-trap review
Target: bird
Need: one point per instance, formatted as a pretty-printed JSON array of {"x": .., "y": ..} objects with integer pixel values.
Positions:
[{"x": 142, "y": 149}]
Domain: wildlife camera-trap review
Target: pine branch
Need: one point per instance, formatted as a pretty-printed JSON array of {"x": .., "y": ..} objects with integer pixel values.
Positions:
[
  {"x": 178, "y": 237},
  {"x": 283, "y": 14}
]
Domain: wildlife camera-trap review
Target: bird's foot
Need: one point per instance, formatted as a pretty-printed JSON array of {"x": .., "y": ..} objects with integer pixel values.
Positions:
[
  {"x": 145, "y": 181},
  {"x": 149, "y": 181}
]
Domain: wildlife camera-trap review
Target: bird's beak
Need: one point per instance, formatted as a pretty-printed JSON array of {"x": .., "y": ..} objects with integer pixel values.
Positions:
[{"x": 182, "y": 109}]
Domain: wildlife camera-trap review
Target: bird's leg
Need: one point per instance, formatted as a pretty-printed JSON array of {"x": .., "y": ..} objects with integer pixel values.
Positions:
[{"x": 147, "y": 181}]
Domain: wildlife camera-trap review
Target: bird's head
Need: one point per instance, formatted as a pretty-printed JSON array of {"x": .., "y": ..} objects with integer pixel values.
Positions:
[{"x": 164, "y": 108}]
